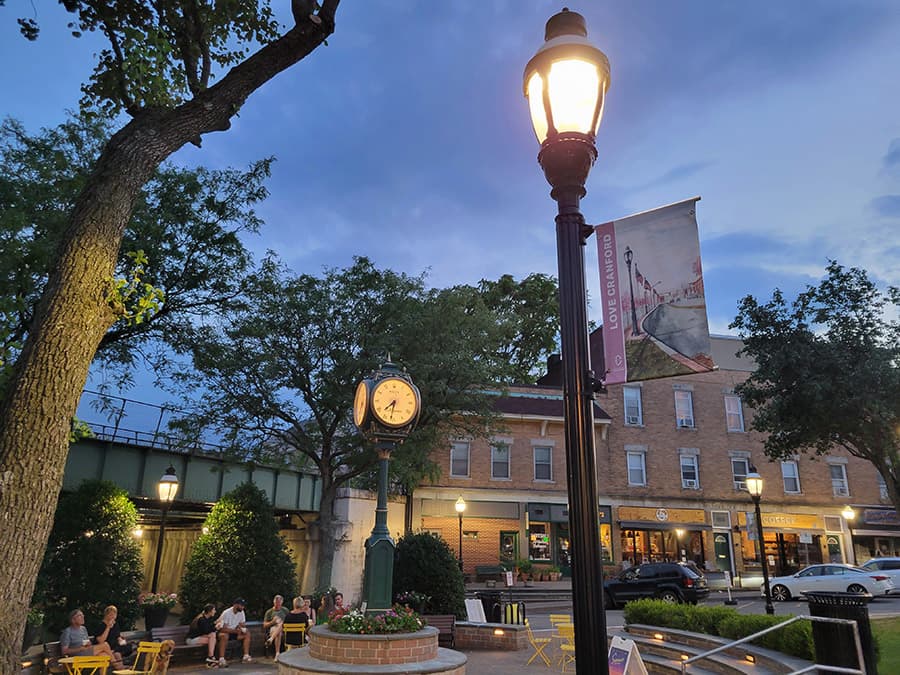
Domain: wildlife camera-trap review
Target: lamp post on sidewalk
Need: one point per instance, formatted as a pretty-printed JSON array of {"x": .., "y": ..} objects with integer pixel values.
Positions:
[
  {"x": 460, "y": 507},
  {"x": 565, "y": 83},
  {"x": 167, "y": 488},
  {"x": 755, "y": 488}
]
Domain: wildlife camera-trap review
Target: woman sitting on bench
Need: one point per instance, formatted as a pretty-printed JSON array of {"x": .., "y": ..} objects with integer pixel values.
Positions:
[{"x": 203, "y": 632}]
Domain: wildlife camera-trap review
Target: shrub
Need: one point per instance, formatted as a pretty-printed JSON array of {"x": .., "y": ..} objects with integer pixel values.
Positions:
[
  {"x": 795, "y": 639},
  {"x": 92, "y": 559},
  {"x": 241, "y": 555},
  {"x": 423, "y": 562}
]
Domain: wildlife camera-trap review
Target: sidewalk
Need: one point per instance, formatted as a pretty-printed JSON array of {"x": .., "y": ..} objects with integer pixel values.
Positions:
[{"x": 716, "y": 580}]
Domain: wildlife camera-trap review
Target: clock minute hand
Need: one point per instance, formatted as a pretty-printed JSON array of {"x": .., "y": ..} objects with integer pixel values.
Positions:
[{"x": 392, "y": 405}]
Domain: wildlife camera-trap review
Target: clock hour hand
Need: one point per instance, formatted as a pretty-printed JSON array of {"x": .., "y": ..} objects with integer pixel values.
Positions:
[{"x": 392, "y": 405}]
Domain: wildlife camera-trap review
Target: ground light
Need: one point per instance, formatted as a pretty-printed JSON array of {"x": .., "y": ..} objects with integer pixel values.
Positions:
[{"x": 565, "y": 83}]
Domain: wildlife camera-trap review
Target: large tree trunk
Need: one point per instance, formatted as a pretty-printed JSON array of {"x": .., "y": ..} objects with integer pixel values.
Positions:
[
  {"x": 73, "y": 316},
  {"x": 327, "y": 534}
]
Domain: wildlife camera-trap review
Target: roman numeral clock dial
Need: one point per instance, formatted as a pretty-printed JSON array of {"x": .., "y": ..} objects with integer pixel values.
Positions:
[{"x": 395, "y": 402}]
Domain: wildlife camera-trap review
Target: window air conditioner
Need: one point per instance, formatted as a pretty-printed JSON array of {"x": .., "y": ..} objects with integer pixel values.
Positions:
[
  {"x": 685, "y": 423},
  {"x": 689, "y": 484},
  {"x": 633, "y": 419},
  {"x": 841, "y": 492}
]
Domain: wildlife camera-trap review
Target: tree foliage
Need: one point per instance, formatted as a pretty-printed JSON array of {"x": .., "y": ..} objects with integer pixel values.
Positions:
[
  {"x": 92, "y": 559},
  {"x": 160, "y": 60},
  {"x": 279, "y": 375},
  {"x": 827, "y": 370},
  {"x": 241, "y": 555},
  {"x": 423, "y": 562},
  {"x": 183, "y": 238}
]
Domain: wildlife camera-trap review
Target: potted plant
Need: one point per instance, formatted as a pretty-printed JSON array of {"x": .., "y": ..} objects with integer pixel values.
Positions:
[
  {"x": 414, "y": 600},
  {"x": 156, "y": 608},
  {"x": 525, "y": 569},
  {"x": 34, "y": 622},
  {"x": 553, "y": 573}
]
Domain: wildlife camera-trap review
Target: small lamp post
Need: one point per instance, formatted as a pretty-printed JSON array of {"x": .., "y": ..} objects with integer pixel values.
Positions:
[
  {"x": 629, "y": 257},
  {"x": 565, "y": 83},
  {"x": 460, "y": 507},
  {"x": 167, "y": 489},
  {"x": 755, "y": 488},
  {"x": 849, "y": 515}
]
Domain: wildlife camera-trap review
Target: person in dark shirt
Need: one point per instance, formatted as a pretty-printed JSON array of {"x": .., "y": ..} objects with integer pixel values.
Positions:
[
  {"x": 109, "y": 632},
  {"x": 297, "y": 615},
  {"x": 203, "y": 632}
]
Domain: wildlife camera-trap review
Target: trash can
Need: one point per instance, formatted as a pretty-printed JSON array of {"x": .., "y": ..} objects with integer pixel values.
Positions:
[
  {"x": 490, "y": 600},
  {"x": 514, "y": 613},
  {"x": 835, "y": 645}
]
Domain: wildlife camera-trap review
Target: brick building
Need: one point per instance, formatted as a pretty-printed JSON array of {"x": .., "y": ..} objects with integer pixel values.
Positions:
[{"x": 672, "y": 457}]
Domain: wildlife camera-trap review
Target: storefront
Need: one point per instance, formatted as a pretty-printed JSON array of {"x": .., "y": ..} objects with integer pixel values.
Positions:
[
  {"x": 791, "y": 542},
  {"x": 657, "y": 534},
  {"x": 876, "y": 533},
  {"x": 547, "y": 532}
]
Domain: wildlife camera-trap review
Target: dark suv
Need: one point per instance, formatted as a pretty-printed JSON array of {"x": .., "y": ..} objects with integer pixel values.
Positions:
[{"x": 672, "y": 582}]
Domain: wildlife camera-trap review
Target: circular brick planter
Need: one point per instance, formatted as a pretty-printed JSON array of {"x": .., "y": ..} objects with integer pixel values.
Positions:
[{"x": 344, "y": 653}]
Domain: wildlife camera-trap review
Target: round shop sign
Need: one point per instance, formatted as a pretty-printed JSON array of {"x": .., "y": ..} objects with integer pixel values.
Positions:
[{"x": 662, "y": 515}]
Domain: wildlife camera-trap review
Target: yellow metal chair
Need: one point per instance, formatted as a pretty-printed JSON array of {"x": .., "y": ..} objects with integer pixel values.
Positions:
[
  {"x": 567, "y": 646},
  {"x": 289, "y": 629},
  {"x": 538, "y": 644},
  {"x": 556, "y": 619},
  {"x": 86, "y": 665},
  {"x": 145, "y": 661}
]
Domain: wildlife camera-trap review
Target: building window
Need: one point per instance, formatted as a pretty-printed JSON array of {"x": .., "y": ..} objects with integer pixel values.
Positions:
[
  {"x": 459, "y": 460},
  {"x": 684, "y": 409},
  {"x": 721, "y": 519},
  {"x": 740, "y": 467},
  {"x": 637, "y": 470},
  {"x": 500, "y": 461},
  {"x": 690, "y": 477},
  {"x": 634, "y": 415},
  {"x": 791, "y": 477},
  {"x": 543, "y": 465},
  {"x": 839, "y": 485},
  {"x": 734, "y": 413}
]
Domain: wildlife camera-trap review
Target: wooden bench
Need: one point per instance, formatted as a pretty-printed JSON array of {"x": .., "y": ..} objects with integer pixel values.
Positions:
[
  {"x": 484, "y": 572},
  {"x": 446, "y": 625},
  {"x": 178, "y": 635}
]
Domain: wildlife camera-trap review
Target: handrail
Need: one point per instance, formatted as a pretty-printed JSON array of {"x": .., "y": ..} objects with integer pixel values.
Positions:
[{"x": 778, "y": 626}]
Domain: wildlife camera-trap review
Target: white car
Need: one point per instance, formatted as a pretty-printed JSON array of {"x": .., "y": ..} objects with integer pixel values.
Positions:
[
  {"x": 829, "y": 578},
  {"x": 889, "y": 567}
]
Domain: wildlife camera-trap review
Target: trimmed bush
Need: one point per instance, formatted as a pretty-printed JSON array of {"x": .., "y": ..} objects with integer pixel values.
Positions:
[
  {"x": 424, "y": 562},
  {"x": 241, "y": 555},
  {"x": 92, "y": 559},
  {"x": 795, "y": 639}
]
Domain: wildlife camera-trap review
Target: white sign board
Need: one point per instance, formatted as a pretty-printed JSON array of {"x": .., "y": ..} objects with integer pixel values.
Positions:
[
  {"x": 624, "y": 658},
  {"x": 727, "y": 579},
  {"x": 508, "y": 577},
  {"x": 475, "y": 611}
]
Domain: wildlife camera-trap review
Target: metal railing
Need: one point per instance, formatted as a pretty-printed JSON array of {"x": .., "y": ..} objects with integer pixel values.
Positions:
[{"x": 814, "y": 667}]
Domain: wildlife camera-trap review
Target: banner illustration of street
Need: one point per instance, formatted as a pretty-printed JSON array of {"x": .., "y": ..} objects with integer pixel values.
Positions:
[{"x": 654, "y": 307}]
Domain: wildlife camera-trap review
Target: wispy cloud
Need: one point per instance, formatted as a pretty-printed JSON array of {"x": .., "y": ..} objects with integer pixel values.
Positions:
[
  {"x": 892, "y": 158},
  {"x": 887, "y": 206}
]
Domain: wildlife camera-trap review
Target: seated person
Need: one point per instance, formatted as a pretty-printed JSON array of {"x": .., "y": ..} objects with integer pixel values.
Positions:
[
  {"x": 272, "y": 622},
  {"x": 298, "y": 615},
  {"x": 109, "y": 632},
  {"x": 307, "y": 607},
  {"x": 74, "y": 640},
  {"x": 203, "y": 632},
  {"x": 232, "y": 626}
]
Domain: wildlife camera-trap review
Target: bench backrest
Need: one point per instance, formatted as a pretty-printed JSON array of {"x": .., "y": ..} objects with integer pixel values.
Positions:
[
  {"x": 52, "y": 654},
  {"x": 177, "y": 634},
  {"x": 441, "y": 621}
]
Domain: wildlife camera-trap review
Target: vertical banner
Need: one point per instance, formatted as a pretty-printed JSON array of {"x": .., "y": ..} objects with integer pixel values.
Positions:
[{"x": 654, "y": 307}]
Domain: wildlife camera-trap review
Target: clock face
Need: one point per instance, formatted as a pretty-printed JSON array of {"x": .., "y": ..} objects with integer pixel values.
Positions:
[
  {"x": 395, "y": 402},
  {"x": 361, "y": 404}
]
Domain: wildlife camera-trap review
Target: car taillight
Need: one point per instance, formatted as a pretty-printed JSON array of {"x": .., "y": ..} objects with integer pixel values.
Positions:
[
  {"x": 687, "y": 582},
  {"x": 879, "y": 577}
]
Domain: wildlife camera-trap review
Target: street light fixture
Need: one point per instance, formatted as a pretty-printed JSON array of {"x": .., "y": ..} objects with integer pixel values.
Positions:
[
  {"x": 755, "y": 488},
  {"x": 460, "y": 507},
  {"x": 629, "y": 257},
  {"x": 167, "y": 489},
  {"x": 849, "y": 515},
  {"x": 565, "y": 83}
]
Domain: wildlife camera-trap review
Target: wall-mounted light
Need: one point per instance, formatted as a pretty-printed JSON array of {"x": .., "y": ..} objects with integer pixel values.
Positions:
[
  {"x": 137, "y": 532},
  {"x": 498, "y": 632}
]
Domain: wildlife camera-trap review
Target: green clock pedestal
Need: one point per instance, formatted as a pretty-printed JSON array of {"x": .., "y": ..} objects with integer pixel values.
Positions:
[{"x": 378, "y": 581}]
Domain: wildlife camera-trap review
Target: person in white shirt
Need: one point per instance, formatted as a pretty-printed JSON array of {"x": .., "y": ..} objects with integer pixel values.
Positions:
[{"x": 231, "y": 625}]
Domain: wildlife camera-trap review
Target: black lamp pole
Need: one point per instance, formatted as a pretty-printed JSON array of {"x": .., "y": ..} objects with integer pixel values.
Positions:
[
  {"x": 167, "y": 487},
  {"x": 159, "y": 546},
  {"x": 460, "y": 508},
  {"x": 629, "y": 256},
  {"x": 755, "y": 488}
]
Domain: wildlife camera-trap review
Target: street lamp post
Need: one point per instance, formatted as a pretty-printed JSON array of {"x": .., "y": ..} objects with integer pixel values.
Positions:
[
  {"x": 849, "y": 515},
  {"x": 167, "y": 488},
  {"x": 629, "y": 256},
  {"x": 565, "y": 83},
  {"x": 460, "y": 507},
  {"x": 755, "y": 488}
]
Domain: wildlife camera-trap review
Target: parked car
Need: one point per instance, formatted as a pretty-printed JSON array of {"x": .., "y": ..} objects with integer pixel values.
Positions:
[
  {"x": 889, "y": 567},
  {"x": 672, "y": 582},
  {"x": 833, "y": 578}
]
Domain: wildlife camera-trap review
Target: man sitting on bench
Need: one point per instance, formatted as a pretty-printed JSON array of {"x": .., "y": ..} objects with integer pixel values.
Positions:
[{"x": 232, "y": 626}]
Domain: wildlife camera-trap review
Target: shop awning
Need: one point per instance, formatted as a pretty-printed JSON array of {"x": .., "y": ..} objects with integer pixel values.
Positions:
[
  {"x": 648, "y": 525},
  {"x": 874, "y": 533}
]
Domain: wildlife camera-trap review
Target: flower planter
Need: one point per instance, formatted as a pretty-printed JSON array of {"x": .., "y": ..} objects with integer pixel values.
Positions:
[{"x": 155, "y": 617}]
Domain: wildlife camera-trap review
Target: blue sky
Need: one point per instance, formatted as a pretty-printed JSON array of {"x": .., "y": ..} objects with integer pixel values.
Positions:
[{"x": 407, "y": 138}]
